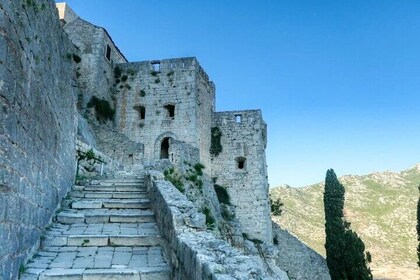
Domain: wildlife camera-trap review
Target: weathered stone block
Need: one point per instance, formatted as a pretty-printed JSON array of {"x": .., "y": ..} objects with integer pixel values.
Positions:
[
  {"x": 62, "y": 274},
  {"x": 111, "y": 274}
]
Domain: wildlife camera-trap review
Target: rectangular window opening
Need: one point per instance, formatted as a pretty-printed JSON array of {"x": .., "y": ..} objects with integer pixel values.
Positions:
[
  {"x": 108, "y": 52},
  {"x": 170, "y": 110},
  {"x": 238, "y": 118}
]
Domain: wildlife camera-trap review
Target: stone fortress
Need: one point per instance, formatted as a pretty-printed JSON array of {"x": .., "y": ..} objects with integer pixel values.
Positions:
[
  {"x": 73, "y": 105},
  {"x": 171, "y": 102}
]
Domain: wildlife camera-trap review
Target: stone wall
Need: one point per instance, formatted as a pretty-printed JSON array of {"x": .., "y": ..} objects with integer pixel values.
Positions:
[
  {"x": 95, "y": 71},
  {"x": 119, "y": 148},
  {"x": 193, "y": 252},
  {"x": 298, "y": 260},
  {"x": 241, "y": 168},
  {"x": 101, "y": 165},
  {"x": 37, "y": 125},
  {"x": 146, "y": 93}
]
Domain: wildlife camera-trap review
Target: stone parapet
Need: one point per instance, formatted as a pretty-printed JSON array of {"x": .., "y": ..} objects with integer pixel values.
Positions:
[{"x": 193, "y": 252}]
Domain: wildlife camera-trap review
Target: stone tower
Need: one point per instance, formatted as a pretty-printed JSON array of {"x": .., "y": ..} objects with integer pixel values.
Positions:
[
  {"x": 241, "y": 168},
  {"x": 162, "y": 101}
]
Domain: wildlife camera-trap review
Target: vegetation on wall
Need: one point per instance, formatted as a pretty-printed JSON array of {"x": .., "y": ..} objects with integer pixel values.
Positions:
[
  {"x": 276, "y": 206},
  {"x": 171, "y": 175},
  {"x": 117, "y": 72},
  {"x": 222, "y": 194},
  {"x": 76, "y": 58},
  {"x": 103, "y": 109},
  {"x": 192, "y": 175},
  {"x": 216, "y": 145},
  {"x": 346, "y": 258},
  {"x": 210, "y": 221},
  {"x": 87, "y": 156}
]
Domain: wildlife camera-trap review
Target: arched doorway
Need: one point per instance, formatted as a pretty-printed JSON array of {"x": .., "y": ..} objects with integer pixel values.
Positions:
[{"x": 164, "y": 147}]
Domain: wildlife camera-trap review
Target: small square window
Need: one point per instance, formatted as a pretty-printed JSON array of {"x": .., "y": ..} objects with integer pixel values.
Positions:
[
  {"x": 238, "y": 118},
  {"x": 170, "y": 110}
]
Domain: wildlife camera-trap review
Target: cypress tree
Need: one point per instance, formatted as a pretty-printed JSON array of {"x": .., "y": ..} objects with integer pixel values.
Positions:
[
  {"x": 355, "y": 259},
  {"x": 346, "y": 258},
  {"x": 334, "y": 227},
  {"x": 418, "y": 229}
]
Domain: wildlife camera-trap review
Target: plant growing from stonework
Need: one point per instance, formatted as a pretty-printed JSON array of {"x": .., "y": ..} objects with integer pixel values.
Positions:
[
  {"x": 117, "y": 72},
  {"x": 194, "y": 173},
  {"x": 210, "y": 221},
  {"x": 222, "y": 194},
  {"x": 103, "y": 110},
  {"x": 89, "y": 155},
  {"x": 171, "y": 175},
  {"x": 76, "y": 58},
  {"x": 346, "y": 258},
  {"x": 216, "y": 144}
]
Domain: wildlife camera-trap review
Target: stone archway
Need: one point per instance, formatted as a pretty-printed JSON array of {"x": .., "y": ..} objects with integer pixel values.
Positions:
[{"x": 162, "y": 145}]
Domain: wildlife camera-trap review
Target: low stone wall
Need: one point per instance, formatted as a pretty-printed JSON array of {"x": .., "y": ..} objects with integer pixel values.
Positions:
[
  {"x": 102, "y": 163},
  {"x": 193, "y": 252}
]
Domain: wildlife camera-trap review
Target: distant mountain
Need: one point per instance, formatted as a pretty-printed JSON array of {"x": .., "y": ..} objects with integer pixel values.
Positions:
[{"x": 381, "y": 208}]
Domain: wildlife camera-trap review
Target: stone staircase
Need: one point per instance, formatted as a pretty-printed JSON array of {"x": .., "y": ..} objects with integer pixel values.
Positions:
[{"x": 105, "y": 230}]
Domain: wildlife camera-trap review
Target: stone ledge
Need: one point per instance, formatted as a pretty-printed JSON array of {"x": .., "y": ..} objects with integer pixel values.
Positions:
[{"x": 195, "y": 253}]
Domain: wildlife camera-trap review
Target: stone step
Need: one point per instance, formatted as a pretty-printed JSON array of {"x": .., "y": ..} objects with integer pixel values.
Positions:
[
  {"x": 111, "y": 188},
  {"x": 145, "y": 273},
  {"x": 98, "y": 263},
  {"x": 111, "y": 203},
  {"x": 101, "y": 240},
  {"x": 95, "y": 216},
  {"x": 116, "y": 182},
  {"x": 104, "y": 194}
]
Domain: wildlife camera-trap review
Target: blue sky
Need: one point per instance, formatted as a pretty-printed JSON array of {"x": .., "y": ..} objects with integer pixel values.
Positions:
[{"x": 338, "y": 81}]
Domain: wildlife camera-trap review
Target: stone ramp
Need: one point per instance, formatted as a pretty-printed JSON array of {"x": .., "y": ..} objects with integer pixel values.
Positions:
[{"x": 105, "y": 230}]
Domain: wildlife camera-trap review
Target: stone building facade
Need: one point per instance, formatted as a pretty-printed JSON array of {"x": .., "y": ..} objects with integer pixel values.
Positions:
[{"x": 158, "y": 103}]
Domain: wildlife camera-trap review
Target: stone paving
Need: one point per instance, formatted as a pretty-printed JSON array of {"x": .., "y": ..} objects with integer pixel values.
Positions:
[{"x": 105, "y": 230}]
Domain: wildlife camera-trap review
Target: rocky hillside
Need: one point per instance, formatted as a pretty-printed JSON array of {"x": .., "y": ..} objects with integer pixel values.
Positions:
[{"x": 381, "y": 208}]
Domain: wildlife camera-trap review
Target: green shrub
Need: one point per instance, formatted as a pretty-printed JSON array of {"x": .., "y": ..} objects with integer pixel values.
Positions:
[
  {"x": 103, "y": 109},
  {"x": 216, "y": 145},
  {"x": 117, "y": 72},
  {"x": 222, "y": 194},
  {"x": 124, "y": 78},
  {"x": 210, "y": 221},
  {"x": 199, "y": 168},
  {"x": 171, "y": 175},
  {"x": 76, "y": 58},
  {"x": 276, "y": 206}
]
